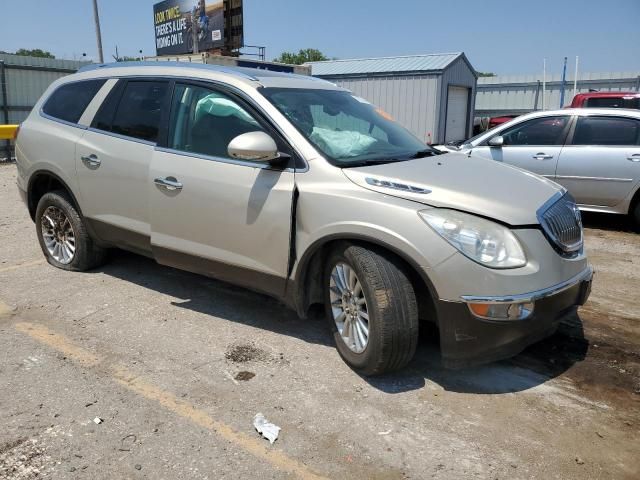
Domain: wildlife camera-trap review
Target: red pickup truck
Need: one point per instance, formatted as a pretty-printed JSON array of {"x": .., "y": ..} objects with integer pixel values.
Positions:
[{"x": 606, "y": 100}]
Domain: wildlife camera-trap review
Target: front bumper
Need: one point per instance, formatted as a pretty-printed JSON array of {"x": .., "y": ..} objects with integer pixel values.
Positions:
[{"x": 468, "y": 340}]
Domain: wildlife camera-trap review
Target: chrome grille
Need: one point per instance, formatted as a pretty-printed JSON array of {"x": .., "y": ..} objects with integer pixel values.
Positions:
[{"x": 562, "y": 224}]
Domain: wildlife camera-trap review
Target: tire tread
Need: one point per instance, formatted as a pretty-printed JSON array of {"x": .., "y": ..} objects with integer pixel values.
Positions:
[{"x": 396, "y": 307}]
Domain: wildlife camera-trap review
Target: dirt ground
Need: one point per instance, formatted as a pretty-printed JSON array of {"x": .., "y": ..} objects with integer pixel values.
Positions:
[{"x": 140, "y": 371}]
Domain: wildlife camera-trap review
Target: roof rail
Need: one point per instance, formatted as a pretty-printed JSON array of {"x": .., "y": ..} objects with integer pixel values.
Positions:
[{"x": 236, "y": 71}]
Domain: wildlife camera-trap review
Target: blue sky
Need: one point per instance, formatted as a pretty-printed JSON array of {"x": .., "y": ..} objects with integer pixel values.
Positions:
[{"x": 503, "y": 36}]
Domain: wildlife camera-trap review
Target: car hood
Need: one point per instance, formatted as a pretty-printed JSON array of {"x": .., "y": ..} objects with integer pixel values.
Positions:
[{"x": 453, "y": 180}]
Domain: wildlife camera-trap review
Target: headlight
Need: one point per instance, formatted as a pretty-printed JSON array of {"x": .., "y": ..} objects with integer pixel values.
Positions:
[{"x": 483, "y": 241}]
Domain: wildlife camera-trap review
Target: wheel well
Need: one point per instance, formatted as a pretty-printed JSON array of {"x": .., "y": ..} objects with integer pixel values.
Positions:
[
  {"x": 634, "y": 201},
  {"x": 42, "y": 183},
  {"x": 311, "y": 288}
]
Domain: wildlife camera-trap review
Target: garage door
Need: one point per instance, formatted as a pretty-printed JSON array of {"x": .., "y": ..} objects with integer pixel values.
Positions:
[{"x": 457, "y": 114}]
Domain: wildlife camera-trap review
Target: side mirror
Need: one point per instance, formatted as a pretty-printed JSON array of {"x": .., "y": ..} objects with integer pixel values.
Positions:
[
  {"x": 496, "y": 141},
  {"x": 257, "y": 146}
]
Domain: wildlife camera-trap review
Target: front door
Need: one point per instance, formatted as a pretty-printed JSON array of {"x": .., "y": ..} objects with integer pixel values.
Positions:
[
  {"x": 210, "y": 213},
  {"x": 533, "y": 145},
  {"x": 601, "y": 164}
]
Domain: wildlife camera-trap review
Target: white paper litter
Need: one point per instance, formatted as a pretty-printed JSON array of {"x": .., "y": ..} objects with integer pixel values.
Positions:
[
  {"x": 97, "y": 420},
  {"x": 266, "y": 429}
]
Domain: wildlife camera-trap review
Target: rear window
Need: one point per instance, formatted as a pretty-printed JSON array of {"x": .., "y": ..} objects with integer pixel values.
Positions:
[
  {"x": 614, "y": 102},
  {"x": 69, "y": 101}
]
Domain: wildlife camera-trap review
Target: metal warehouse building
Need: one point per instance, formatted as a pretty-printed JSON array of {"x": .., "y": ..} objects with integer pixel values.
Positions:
[
  {"x": 515, "y": 95},
  {"x": 432, "y": 95}
]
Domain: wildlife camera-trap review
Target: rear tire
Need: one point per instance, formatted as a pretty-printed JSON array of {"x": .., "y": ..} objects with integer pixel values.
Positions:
[
  {"x": 635, "y": 216},
  {"x": 379, "y": 287},
  {"x": 62, "y": 234}
]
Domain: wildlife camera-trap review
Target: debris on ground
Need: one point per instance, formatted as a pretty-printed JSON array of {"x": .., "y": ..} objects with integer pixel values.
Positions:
[
  {"x": 23, "y": 459},
  {"x": 98, "y": 420},
  {"x": 266, "y": 429}
]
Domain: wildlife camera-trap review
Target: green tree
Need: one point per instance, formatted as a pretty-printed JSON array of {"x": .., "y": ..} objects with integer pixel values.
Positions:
[
  {"x": 486, "y": 74},
  {"x": 36, "y": 52},
  {"x": 303, "y": 56}
]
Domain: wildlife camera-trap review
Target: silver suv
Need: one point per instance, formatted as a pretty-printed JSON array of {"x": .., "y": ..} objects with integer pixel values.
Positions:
[{"x": 296, "y": 188}]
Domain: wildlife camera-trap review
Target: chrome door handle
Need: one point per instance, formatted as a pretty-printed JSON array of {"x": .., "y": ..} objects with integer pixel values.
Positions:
[
  {"x": 91, "y": 160},
  {"x": 169, "y": 183},
  {"x": 634, "y": 158},
  {"x": 542, "y": 156}
]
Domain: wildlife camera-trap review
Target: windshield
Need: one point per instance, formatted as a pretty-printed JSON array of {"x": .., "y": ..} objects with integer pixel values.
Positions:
[{"x": 347, "y": 129}]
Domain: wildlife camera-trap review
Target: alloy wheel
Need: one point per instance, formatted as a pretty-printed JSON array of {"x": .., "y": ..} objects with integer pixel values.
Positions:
[
  {"x": 349, "y": 307},
  {"x": 58, "y": 235}
]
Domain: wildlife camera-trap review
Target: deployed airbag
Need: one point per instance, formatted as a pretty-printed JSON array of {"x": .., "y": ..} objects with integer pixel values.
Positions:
[
  {"x": 341, "y": 144},
  {"x": 213, "y": 104}
]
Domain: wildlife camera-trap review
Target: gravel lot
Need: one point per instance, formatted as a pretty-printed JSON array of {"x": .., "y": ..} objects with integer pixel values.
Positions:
[{"x": 176, "y": 366}]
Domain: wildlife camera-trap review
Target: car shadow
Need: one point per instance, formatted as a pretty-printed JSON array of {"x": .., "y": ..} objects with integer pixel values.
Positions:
[
  {"x": 536, "y": 365},
  {"x": 607, "y": 221}
]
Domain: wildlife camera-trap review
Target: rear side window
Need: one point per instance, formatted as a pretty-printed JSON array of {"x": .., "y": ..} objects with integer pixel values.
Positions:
[
  {"x": 619, "y": 102},
  {"x": 69, "y": 101},
  {"x": 136, "y": 112},
  {"x": 607, "y": 131}
]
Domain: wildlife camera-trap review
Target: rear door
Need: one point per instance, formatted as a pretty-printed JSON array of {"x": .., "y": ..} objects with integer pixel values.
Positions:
[
  {"x": 222, "y": 217},
  {"x": 601, "y": 163},
  {"x": 534, "y": 144},
  {"x": 113, "y": 159}
]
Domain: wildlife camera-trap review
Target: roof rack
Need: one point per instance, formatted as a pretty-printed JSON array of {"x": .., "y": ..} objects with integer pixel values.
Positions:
[{"x": 201, "y": 66}]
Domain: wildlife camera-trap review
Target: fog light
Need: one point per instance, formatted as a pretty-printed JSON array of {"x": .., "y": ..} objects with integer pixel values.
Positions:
[{"x": 501, "y": 311}]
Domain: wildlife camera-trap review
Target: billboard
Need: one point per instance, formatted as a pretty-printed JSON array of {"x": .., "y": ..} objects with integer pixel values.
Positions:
[{"x": 180, "y": 24}]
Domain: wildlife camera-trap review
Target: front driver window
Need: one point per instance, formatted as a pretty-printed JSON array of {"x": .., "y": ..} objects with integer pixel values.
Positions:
[
  {"x": 539, "y": 131},
  {"x": 205, "y": 121}
]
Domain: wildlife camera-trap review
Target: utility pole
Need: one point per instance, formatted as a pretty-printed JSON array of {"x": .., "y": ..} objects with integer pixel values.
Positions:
[
  {"x": 96, "y": 18},
  {"x": 564, "y": 82},
  {"x": 575, "y": 79},
  {"x": 544, "y": 83},
  {"x": 194, "y": 31}
]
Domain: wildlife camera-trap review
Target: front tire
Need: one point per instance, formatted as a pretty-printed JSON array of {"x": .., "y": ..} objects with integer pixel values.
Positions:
[
  {"x": 63, "y": 236},
  {"x": 371, "y": 308}
]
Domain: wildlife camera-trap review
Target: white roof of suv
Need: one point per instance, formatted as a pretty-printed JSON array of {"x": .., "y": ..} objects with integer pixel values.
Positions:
[{"x": 252, "y": 76}]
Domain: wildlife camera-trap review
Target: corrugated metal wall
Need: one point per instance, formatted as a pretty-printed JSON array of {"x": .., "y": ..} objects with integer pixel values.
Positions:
[
  {"x": 22, "y": 81},
  {"x": 27, "y": 78},
  {"x": 460, "y": 75},
  {"x": 523, "y": 93},
  {"x": 413, "y": 100}
]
